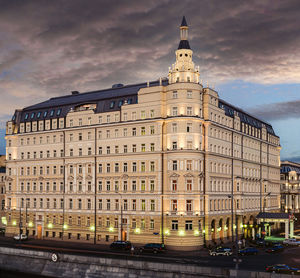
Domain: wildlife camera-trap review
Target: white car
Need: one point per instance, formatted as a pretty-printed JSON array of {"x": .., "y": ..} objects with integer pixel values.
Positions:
[
  {"x": 23, "y": 237},
  {"x": 291, "y": 241}
]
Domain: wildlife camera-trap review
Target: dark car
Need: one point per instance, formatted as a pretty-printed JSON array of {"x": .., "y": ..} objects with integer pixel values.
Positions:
[
  {"x": 283, "y": 268},
  {"x": 153, "y": 248},
  {"x": 121, "y": 245},
  {"x": 221, "y": 251},
  {"x": 248, "y": 251},
  {"x": 275, "y": 248}
]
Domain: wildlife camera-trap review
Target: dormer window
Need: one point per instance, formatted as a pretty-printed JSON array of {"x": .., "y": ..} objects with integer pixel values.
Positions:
[
  {"x": 45, "y": 114},
  {"x": 38, "y": 114},
  {"x": 52, "y": 113},
  {"x": 14, "y": 117},
  {"x": 129, "y": 101},
  {"x": 32, "y": 115},
  {"x": 58, "y": 112},
  {"x": 120, "y": 103},
  {"x": 26, "y": 116},
  {"x": 112, "y": 104}
]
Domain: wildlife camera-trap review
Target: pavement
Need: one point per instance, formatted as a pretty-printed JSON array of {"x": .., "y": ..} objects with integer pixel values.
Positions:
[{"x": 290, "y": 255}]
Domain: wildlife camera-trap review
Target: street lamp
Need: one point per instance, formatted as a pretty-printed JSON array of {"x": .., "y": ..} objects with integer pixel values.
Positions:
[
  {"x": 264, "y": 200},
  {"x": 236, "y": 260}
]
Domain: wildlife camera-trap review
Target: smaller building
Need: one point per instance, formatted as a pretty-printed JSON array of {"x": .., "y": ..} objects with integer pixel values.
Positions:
[
  {"x": 290, "y": 187},
  {"x": 2, "y": 191}
]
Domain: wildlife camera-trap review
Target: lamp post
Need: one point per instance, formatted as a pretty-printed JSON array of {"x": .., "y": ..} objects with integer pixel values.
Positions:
[
  {"x": 236, "y": 259},
  {"x": 264, "y": 200}
]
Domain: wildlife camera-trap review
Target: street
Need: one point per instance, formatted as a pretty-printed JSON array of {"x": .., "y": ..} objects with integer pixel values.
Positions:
[{"x": 290, "y": 256}]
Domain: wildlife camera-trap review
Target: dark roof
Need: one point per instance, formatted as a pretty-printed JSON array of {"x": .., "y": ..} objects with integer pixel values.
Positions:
[
  {"x": 273, "y": 215},
  {"x": 106, "y": 100},
  {"x": 183, "y": 22},
  {"x": 2, "y": 170},
  {"x": 184, "y": 44},
  {"x": 285, "y": 169},
  {"x": 244, "y": 116}
]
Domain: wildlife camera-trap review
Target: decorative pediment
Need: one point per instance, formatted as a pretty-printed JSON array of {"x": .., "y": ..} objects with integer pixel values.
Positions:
[
  {"x": 88, "y": 177},
  {"x": 9, "y": 179},
  {"x": 188, "y": 175},
  {"x": 201, "y": 175},
  {"x": 80, "y": 178},
  {"x": 70, "y": 178},
  {"x": 125, "y": 176},
  {"x": 174, "y": 175},
  {"x": 41, "y": 178}
]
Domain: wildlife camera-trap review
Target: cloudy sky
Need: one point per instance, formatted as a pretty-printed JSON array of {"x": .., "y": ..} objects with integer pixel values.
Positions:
[{"x": 248, "y": 50}]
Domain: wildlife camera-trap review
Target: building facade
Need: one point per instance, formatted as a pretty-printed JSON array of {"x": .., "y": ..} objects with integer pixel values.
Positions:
[
  {"x": 2, "y": 192},
  {"x": 161, "y": 161},
  {"x": 290, "y": 186}
]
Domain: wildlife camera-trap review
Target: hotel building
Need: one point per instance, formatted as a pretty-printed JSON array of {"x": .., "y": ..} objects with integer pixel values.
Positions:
[{"x": 161, "y": 161}]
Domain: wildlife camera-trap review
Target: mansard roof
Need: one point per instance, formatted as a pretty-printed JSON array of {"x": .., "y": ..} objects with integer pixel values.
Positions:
[
  {"x": 184, "y": 44},
  {"x": 289, "y": 166},
  {"x": 245, "y": 117},
  {"x": 106, "y": 100}
]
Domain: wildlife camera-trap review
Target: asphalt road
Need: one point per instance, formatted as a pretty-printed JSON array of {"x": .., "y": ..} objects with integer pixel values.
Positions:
[{"x": 290, "y": 256}]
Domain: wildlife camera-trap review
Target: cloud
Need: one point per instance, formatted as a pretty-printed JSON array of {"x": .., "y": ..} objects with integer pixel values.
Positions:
[
  {"x": 277, "y": 111},
  {"x": 49, "y": 48}
]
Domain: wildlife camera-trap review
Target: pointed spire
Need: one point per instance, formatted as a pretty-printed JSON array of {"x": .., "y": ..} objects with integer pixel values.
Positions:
[{"x": 183, "y": 23}]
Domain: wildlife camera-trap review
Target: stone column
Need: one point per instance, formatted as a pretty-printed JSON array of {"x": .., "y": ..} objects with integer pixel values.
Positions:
[
  {"x": 286, "y": 224},
  {"x": 292, "y": 228},
  {"x": 253, "y": 233}
]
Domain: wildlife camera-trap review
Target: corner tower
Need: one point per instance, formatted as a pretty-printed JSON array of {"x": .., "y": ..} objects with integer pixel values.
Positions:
[{"x": 184, "y": 70}]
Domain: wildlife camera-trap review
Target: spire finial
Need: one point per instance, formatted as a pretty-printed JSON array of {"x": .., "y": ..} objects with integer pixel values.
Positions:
[{"x": 183, "y": 23}]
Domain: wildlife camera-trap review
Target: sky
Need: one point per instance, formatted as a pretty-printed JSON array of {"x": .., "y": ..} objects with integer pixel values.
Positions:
[{"x": 247, "y": 50}]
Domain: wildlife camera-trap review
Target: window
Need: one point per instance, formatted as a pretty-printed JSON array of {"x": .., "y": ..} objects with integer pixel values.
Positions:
[
  {"x": 99, "y": 185},
  {"x": 189, "y": 145},
  {"x": 134, "y": 148},
  {"x": 134, "y": 205},
  {"x": 100, "y": 150},
  {"x": 100, "y": 204},
  {"x": 189, "y": 165},
  {"x": 143, "y": 205},
  {"x": 112, "y": 104},
  {"x": 134, "y": 167},
  {"x": 143, "y": 147},
  {"x": 152, "y": 147},
  {"x": 174, "y": 165},
  {"x": 80, "y": 151},
  {"x": 174, "y": 145},
  {"x": 125, "y": 148},
  {"x": 107, "y": 133},
  {"x": 152, "y": 166},
  {"x": 174, "y": 127},
  {"x": 116, "y": 186},
  {"x": 174, "y": 205},
  {"x": 133, "y": 185},
  {"x": 174, "y": 111},
  {"x": 189, "y": 94},
  {"x": 174, "y": 185},
  {"x": 151, "y": 113},
  {"x": 100, "y": 168},
  {"x": 189, "y": 185},
  {"x": 175, "y": 225},
  {"x": 79, "y": 204},
  {"x": 143, "y": 131},
  {"x": 116, "y": 167},
  {"x": 108, "y": 168},
  {"x": 188, "y": 225},
  {"x": 143, "y": 185},
  {"x": 152, "y": 205},
  {"x": 152, "y": 130},
  {"x": 108, "y": 204},
  {"x": 152, "y": 186},
  {"x": 189, "y": 127},
  {"x": 107, "y": 185},
  {"x": 189, "y": 111},
  {"x": 143, "y": 114},
  {"x": 134, "y": 131},
  {"x": 108, "y": 149},
  {"x": 175, "y": 94},
  {"x": 189, "y": 205},
  {"x": 143, "y": 166},
  {"x": 125, "y": 167},
  {"x": 133, "y": 115}
]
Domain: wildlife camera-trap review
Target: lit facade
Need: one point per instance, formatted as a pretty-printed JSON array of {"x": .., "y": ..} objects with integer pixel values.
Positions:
[
  {"x": 2, "y": 191},
  {"x": 148, "y": 162},
  {"x": 290, "y": 186}
]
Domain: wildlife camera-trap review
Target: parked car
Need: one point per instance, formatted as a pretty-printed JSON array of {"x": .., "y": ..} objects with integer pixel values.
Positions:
[
  {"x": 20, "y": 237},
  {"x": 291, "y": 241},
  {"x": 121, "y": 245},
  {"x": 275, "y": 248},
  {"x": 283, "y": 268},
  {"x": 221, "y": 251},
  {"x": 248, "y": 251},
  {"x": 153, "y": 248}
]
